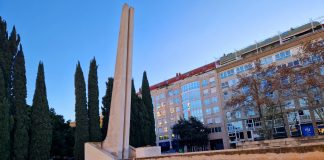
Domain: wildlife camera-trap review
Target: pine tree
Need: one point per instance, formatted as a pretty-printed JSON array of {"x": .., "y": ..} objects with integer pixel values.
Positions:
[
  {"x": 4, "y": 121},
  {"x": 81, "y": 114},
  {"x": 41, "y": 128},
  {"x": 147, "y": 100},
  {"x": 20, "y": 133},
  {"x": 106, "y": 101},
  {"x": 93, "y": 103}
]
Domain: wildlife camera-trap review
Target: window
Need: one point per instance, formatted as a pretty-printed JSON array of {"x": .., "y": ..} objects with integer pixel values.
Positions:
[
  {"x": 304, "y": 114},
  {"x": 212, "y": 80},
  {"x": 213, "y": 99},
  {"x": 225, "y": 95},
  {"x": 293, "y": 117},
  {"x": 171, "y": 110},
  {"x": 266, "y": 60},
  {"x": 215, "y": 109},
  {"x": 162, "y": 96},
  {"x": 218, "y": 120},
  {"x": 282, "y": 55},
  {"x": 165, "y": 129},
  {"x": 205, "y": 92},
  {"x": 209, "y": 121},
  {"x": 285, "y": 80},
  {"x": 244, "y": 68},
  {"x": 178, "y": 109},
  {"x": 170, "y": 92},
  {"x": 232, "y": 82},
  {"x": 322, "y": 70},
  {"x": 225, "y": 85},
  {"x": 228, "y": 115},
  {"x": 238, "y": 114},
  {"x": 190, "y": 86},
  {"x": 213, "y": 90},
  {"x": 227, "y": 73},
  {"x": 281, "y": 66},
  {"x": 248, "y": 67},
  {"x": 289, "y": 104},
  {"x": 215, "y": 130},
  {"x": 218, "y": 129},
  {"x": 250, "y": 112},
  {"x": 176, "y": 100},
  {"x": 240, "y": 69},
  {"x": 165, "y": 137},
  {"x": 206, "y": 102},
  {"x": 204, "y": 83},
  {"x": 303, "y": 102},
  {"x": 293, "y": 64},
  {"x": 235, "y": 126},
  {"x": 208, "y": 111},
  {"x": 245, "y": 89}
]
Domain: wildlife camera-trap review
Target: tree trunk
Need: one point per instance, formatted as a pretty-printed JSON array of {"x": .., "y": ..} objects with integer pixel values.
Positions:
[{"x": 312, "y": 115}]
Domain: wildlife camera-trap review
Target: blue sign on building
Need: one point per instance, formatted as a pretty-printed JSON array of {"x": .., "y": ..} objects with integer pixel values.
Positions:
[{"x": 308, "y": 130}]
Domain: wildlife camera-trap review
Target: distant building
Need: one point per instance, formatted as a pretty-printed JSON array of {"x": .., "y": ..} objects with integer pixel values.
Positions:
[
  {"x": 203, "y": 92},
  {"x": 73, "y": 124}
]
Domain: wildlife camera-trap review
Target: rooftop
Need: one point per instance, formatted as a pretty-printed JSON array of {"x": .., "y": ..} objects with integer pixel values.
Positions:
[{"x": 264, "y": 45}]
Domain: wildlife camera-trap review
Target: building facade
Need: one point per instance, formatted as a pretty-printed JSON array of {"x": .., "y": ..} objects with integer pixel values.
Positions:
[{"x": 203, "y": 93}]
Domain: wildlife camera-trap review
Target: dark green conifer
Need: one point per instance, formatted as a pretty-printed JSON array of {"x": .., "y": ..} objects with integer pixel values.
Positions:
[
  {"x": 93, "y": 103},
  {"x": 147, "y": 100},
  {"x": 4, "y": 121},
  {"x": 20, "y": 133},
  {"x": 41, "y": 128},
  {"x": 81, "y": 114},
  {"x": 135, "y": 137},
  {"x": 3, "y": 46},
  {"x": 10, "y": 53},
  {"x": 106, "y": 101}
]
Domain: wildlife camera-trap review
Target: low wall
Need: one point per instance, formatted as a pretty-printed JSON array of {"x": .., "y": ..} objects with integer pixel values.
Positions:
[{"x": 303, "y": 152}]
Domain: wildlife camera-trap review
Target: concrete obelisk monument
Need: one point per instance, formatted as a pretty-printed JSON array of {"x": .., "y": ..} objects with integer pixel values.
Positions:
[
  {"x": 117, "y": 140},
  {"x": 116, "y": 144}
]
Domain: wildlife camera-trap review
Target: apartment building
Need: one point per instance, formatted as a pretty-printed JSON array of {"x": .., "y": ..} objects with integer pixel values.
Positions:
[{"x": 203, "y": 92}]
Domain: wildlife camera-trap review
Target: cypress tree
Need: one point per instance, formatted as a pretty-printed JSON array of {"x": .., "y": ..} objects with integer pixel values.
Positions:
[
  {"x": 144, "y": 122},
  {"x": 93, "y": 103},
  {"x": 20, "y": 133},
  {"x": 134, "y": 139},
  {"x": 4, "y": 121},
  {"x": 10, "y": 53},
  {"x": 106, "y": 101},
  {"x": 81, "y": 114},
  {"x": 147, "y": 100},
  {"x": 41, "y": 128},
  {"x": 3, "y": 47}
]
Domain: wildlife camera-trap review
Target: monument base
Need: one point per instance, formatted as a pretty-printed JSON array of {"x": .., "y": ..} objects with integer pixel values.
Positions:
[{"x": 94, "y": 151}]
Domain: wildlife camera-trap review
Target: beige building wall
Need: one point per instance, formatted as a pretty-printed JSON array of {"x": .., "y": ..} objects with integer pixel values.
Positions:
[{"x": 166, "y": 113}]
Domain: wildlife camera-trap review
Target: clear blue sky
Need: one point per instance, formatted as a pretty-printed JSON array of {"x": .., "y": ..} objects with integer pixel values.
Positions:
[{"x": 170, "y": 36}]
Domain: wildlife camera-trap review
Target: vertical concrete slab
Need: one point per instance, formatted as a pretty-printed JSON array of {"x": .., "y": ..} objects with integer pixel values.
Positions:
[
  {"x": 128, "y": 82},
  {"x": 117, "y": 140}
]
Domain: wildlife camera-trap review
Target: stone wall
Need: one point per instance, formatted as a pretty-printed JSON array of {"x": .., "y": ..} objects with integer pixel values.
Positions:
[{"x": 307, "y": 151}]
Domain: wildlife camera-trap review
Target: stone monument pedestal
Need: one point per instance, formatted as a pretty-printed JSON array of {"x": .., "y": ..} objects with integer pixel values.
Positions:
[{"x": 94, "y": 151}]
